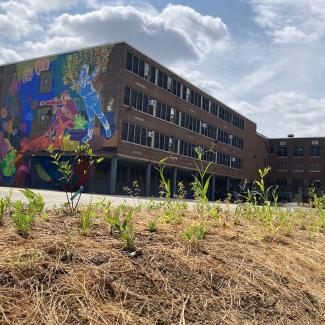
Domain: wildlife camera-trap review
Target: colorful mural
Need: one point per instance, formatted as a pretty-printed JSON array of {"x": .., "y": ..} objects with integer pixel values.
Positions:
[{"x": 47, "y": 102}]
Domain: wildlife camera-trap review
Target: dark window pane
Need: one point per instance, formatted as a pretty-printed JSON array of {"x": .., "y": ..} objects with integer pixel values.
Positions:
[
  {"x": 129, "y": 61},
  {"x": 141, "y": 69},
  {"x": 135, "y": 65}
]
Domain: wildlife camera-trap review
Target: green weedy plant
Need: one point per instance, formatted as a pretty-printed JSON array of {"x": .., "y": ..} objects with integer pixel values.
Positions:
[
  {"x": 265, "y": 213},
  {"x": 200, "y": 185},
  {"x": 35, "y": 201},
  {"x": 67, "y": 165},
  {"x": 3, "y": 207},
  {"x": 319, "y": 203},
  {"x": 134, "y": 190},
  {"x": 181, "y": 192},
  {"x": 86, "y": 220},
  {"x": 120, "y": 220},
  {"x": 170, "y": 210},
  {"x": 152, "y": 224},
  {"x": 22, "y": 218},
  {"x": 195, "y": 232},
  {"x": 165, "y": 187}
]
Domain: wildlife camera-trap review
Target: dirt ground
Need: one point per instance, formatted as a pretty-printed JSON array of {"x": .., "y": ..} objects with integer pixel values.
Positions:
[{"x": 238, "y": 274}]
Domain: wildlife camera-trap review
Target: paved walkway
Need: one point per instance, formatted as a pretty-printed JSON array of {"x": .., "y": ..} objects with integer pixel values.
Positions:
[{"x": 57, "y": 198}]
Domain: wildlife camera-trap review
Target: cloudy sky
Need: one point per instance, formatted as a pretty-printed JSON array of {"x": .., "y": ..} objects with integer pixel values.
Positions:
[{"x": 264, "y": 58}]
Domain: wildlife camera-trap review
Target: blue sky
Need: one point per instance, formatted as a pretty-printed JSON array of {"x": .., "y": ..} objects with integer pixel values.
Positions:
[{"x": 264, "y": 58}]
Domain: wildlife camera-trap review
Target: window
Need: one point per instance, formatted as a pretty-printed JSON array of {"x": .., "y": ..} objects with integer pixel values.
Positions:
[
  {"x": 209, "y": 131},
  {"x": 153, "y": 75},
  {"x": 187, "y": 149},
  {"x": 282, "y": 151},
  {"x": 314, "y": 151},
  {"x": 223, "y": 159},
  {"x": 237, "y": 142},
  {"x": 298, "y": 151},
  {"x": 314, "y": 167},
  {"x": 46, "y": 81},
  {"x": 298, "y": 167},
  {"x": 236, "y": 163},
  {"x": 209, "y": 155},
  {"x": 205, "y": 104},
  {"x": 129, "y": 60},
  {"x": 135, "y": 134},
  {"x": 281, "y": 167},
  {"x": 238, "y": 122},
  {"x": 141, "y": 68},
  {"x": 271, "y": 150},
  {"x": 224, "y": 137},
  {"x": 137, "y": 100},
  {"x": 282, "y": 182},
  {"x": 167, "y": 113},
  {"x": 191, "y": 123},
  {"x": 135, "y": 66},
  {"x": 222, "y": 113},
  {"x": 176, "y": 88},
  {"x": 165, "y": 142},
  {"x": 214, "y": 109}
]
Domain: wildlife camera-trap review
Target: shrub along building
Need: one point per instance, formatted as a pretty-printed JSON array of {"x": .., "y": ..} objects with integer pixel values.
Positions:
[{"x": 133, "y": 112}]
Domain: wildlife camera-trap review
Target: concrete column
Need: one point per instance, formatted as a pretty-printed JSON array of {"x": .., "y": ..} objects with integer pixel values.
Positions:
[
  {"x": 174, "y": 181},
  {"x": 213, "y": 188},
  {"x": 112, "y": 182},
  {"x": 147, "y": 180},
  {"x": 228, "y": 185}
]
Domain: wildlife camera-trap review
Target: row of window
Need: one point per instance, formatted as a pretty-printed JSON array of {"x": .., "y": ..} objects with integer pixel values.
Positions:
[
  {"x": 165, "y": 112},
  {"x": 163, "y": 80},
  {"x": 297, "y": 151},
  {"x": 140, "y": 135},
  {"x": 298, "y": 167},
  {"x": 297, "y": 182}
]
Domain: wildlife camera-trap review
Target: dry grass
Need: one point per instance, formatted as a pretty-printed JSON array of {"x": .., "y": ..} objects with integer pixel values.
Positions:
[{"x": 236, "y": 275}]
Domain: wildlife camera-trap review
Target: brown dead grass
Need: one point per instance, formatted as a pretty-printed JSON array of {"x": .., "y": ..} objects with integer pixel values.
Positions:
[{"x": 237, "y": 275}]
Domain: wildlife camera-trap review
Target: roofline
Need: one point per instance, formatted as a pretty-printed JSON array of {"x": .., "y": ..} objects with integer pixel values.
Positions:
[
  {"x": 300, "y": 138},
  {"x": 135, "y": 48},
  {"x": 60, "y": 53},
  {"x": 263, "y": 136}
]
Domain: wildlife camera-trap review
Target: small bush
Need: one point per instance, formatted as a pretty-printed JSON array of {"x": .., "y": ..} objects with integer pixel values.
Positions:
[
  {"x": 86, "y": 220},
  {"x": 35, "y": 201},
  {"x": 3, "y": 207},
  {"x": 23, "y": 218},
  {"x": 152, "y": 225},
  {"x": 195, "y": 231},
  {"x": 120, "y": 220}
]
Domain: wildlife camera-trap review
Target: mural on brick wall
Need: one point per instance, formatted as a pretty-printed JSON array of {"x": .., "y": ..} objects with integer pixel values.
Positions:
[{"x": 52, "y": 101}]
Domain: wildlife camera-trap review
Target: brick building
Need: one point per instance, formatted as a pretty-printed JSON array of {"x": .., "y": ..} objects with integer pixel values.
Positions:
[{"x": 133, "y": 112}]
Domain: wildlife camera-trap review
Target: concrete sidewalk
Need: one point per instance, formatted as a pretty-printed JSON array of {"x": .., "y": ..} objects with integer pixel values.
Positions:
[{"x": 56, "y": 198}]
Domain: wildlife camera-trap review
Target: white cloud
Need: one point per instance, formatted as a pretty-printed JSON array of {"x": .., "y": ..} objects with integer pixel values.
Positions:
[
  {"x": 176, "y": 33},
  {"x": 290, "y": 112},
  {"x": 8, "y": 55},
  {"x": 289, "y": 21},
  {"x": 254, "y": 79}
]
